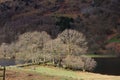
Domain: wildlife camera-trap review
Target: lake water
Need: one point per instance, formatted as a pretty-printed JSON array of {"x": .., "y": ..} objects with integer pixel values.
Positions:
[
  {"x": 109, "y": 66},
  {"x": 7, "y": 62}
]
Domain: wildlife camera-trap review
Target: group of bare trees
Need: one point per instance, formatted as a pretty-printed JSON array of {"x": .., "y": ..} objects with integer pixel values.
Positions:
[
  {"x": 79, "y": 63},
  {"x": 39, "y": 47}
]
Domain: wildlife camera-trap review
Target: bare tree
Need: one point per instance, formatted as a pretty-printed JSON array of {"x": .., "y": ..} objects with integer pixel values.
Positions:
[
  {"x": 56, "y": 49},
  {"x": 74, "y": 40},
  {"x": 8, "y": 50},
  {"x": 4, "y": 49},
  {"x": 31, "y": 43}
]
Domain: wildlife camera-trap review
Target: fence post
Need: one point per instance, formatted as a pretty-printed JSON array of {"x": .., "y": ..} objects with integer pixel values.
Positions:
[{"x": 4, "y": 69}]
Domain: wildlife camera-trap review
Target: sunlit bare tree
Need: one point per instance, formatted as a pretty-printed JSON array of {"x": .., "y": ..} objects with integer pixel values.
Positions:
[{"x": 74, "y": 40}]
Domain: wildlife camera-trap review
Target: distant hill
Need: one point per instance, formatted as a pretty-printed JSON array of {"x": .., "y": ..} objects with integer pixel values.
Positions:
[{"x": 99, "y": 20}]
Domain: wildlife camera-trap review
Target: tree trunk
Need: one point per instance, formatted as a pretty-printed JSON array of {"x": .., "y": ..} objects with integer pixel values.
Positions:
[{"x": 83, "y": 70}]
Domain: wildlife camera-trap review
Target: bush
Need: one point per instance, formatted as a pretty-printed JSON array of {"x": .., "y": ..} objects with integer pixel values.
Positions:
[
  {"x": 89, "y": 63},
  {"x": 79, "y": 63},
  {"x": 73, "y": 62}
]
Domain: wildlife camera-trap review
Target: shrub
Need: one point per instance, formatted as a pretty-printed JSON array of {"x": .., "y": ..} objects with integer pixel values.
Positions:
[
  {"x": 89, "y": 63},
  {"x": 79, "y": 63},
  {"x": 73, "y": 62}
]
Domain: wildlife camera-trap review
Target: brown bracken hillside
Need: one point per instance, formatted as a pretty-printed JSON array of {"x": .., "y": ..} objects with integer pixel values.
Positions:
[{"x": 99, "y": 20}]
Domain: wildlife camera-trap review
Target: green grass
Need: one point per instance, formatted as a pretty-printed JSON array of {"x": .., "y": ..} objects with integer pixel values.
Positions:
[
  {"x": 64, "y": 74},
  {"x": 100, "y": 56},
  {"x": 45, "y": 70},
  {"x": 114, "y": 39},
  {"x": 55, "y": 72}
]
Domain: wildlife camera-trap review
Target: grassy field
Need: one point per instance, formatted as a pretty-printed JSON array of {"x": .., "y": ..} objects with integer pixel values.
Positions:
[
  {"x": 100, "y": 56},
  {"x": 62, "y": 74},
  {"x": 114, "y": 39}
]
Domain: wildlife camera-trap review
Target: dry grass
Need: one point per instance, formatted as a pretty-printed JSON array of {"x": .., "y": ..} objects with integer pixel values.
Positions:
[{"x": 21, "y": 75}]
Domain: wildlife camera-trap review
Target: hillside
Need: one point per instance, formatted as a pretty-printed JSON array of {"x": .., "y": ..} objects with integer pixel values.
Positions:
[{"x": 99, "y": 20}]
